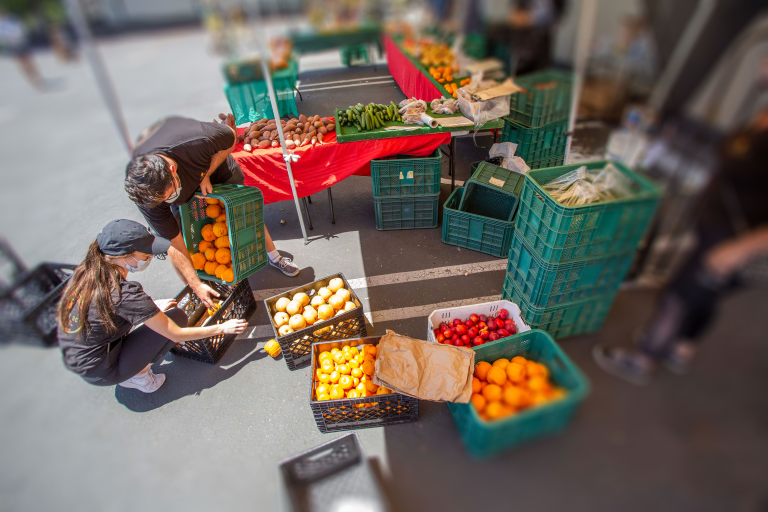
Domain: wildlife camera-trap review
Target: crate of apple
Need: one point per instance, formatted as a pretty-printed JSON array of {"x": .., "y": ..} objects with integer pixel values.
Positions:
[{"x": 476, "y": 330}]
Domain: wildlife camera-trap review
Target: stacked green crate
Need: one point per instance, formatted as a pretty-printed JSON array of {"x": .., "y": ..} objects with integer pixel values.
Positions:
[
  {"x": 538, "y": 119},
  {"x": 566, "y": 263},
  {"x": 406, "y": 190}
]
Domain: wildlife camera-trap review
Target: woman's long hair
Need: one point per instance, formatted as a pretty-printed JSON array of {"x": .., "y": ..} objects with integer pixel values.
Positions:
[{"x": 93, "y": 281}]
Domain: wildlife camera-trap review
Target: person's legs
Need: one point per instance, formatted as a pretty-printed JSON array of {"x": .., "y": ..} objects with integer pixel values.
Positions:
[{"x": 142, "y": 348}]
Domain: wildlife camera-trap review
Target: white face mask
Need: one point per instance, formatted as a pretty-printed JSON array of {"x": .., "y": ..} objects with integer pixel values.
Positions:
[
  {"x": 140, "y": 265},
  {"x": 177, "y": 190}
]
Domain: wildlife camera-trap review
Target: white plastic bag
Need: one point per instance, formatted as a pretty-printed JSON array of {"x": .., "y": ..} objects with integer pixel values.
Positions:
[{"x": 482, "y": 111}]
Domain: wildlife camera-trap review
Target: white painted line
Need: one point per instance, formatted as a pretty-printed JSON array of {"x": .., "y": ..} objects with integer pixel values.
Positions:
[
  {"x": 383, "y": 77},
  {"x": 390, "y": 315},
  {"x": 345, "y": 86},
  {"x": 387, "y": 315},
  {"x": 405, "y": 277}
]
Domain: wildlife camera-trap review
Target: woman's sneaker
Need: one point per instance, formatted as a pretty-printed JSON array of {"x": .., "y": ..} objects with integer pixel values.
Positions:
[
  {"x": 148, "y": 382},
  {"x": 285, "y": 265}
]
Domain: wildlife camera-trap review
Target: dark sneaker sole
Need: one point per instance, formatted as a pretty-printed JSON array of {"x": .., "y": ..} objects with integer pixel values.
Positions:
[{"x": 608, "y": 366}]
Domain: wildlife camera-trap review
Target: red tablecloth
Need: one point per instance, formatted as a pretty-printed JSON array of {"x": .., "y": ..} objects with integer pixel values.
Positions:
[
  {"x": 323, "y": 165},
  {"x": 410, "y": 79}
]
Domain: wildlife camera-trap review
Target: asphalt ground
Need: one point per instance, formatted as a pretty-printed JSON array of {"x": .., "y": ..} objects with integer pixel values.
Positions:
[{"x": 211, "y": 438}]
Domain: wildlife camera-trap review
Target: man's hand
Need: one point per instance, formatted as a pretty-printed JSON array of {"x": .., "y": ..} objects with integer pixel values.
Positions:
[
  {"x": 165, "y": 304},
  {"x": 206, "y": 294},
  {"x": 205, "y": 186}
]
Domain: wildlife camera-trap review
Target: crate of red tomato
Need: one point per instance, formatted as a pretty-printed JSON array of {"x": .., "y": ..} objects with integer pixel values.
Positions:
[{"x": 476, "y": 324}]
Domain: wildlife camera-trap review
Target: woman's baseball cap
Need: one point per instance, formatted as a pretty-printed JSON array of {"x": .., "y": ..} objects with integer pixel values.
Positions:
[{"x": 123, "y": 236}]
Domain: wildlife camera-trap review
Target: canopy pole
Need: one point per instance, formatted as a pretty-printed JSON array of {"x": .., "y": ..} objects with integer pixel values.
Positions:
[
  {"x": 100, "y": 72},
  {"x": 276, "y": 112},
  {"x": 581, "y": 54}
]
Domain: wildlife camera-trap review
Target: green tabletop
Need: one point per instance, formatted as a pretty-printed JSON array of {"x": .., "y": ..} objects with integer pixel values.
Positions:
[
  {"x": 312, "y": 41},
  {"x": 352, "y": 134}
]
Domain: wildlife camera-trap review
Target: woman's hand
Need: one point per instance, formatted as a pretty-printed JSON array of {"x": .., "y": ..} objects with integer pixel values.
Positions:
[
  {"x": 165, "y": 304},
  {"x": 234, "y": 326}
]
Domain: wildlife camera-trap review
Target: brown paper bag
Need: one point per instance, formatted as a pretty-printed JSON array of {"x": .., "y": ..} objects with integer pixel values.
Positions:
[{"x": 429, "y": 371}]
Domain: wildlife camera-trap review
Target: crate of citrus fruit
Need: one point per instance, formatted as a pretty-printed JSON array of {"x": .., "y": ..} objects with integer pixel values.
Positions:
[
  {"x": 524, "y": 387},
  {"x": 224, "y": 233},
  {"x": 326, "y": 310},
  {"x": 343, "y": 395}
]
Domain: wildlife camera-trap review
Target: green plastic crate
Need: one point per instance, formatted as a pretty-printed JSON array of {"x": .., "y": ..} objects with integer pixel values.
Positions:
[
  {"x": 564, "y": 320},
  {"x": 545, "y": 284},
  {"x": 475, "y": 46},
  {"x": 483, "y": 439},
  {"x": 539, "y": 107},
  {"x": 536, "y": 145},
  {"x": 244, "y": 207},
  {"x": 473, "y": 231},
  {"x": 414, "y": 212},
  {"x": 490, "y": 174},
  {"x": 355, "y": 55},
  {"x": 488, "y": 201},
  {"x": 559, "y": 233},
  {"x": 405, "y": 175}
]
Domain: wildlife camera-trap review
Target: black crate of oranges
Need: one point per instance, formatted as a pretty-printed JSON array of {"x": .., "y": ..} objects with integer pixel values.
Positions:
[{"x": 342, "y": 394}]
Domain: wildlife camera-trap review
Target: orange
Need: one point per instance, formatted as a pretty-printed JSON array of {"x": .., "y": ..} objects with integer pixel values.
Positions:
[
  {"x": 492, "y": 393},
  {"x": 210, "y": 268},
  {"x": 228, "y": 275},
  {"x": 223, "y": 255},
  {"x": 360, "y": 387},
  {"x": 383, "y": 391},
  {"x": 210, "y": 254},
  {"x": 207, "y": 233},
  {"x": 222, "y": 218},
  {"x": 322, "y": 398},
  {"x": 202, "y": 246},
  {"x": 211, "y": 200},
  {"x": 344, "y": 369},
  {"x": 538, "y": 398},
  {"x": 519, "y": 360},
  {"x": 324, "y": 378},
  {"x": 494, "y": 410},
  {"x": 318, "y": 373},
  {"x": 335, "y": 376},
  {"x": 479, "y": 402},
  {"x": 502, "y": 363},
  {"x": 497, "y": 376},
  {"x": 516, "y": 372},
  {"x": 482, "y": 385},
  {"x": 198, "y": 261},
  {"x": 348, "y": 356},
  {"x": 538, "y": 384},
  {"x": 368, "y": 367},
  {"x": 372, "y": 350},
  {"x": 338, "y": 357},
  {"x": 476, "y": 387},
  {"x": 213, "y": 210},
  {"x": 370, "y": 386},
  {"x": 536, "y": 370},
  {"x": 353, "y": 394},
  {"x": 221, "y": 242},
  {"x": 219, "y": 229},
  {"x": 323, "y": 356},
  {"x": 355, "y": 381},
  {"x": 514, "y": 397},
  {"x": 322, "y": 389},
  {"x": 336, "y": 392},
  {"x": 481, "y": 370},
  {"x": 220, "y": 271},
  {"x": 355, "y": 371},
  {"x": 326, "y": 366},
  {"x": 353, "y": 363},
  {"x": 345, "y": 381}
]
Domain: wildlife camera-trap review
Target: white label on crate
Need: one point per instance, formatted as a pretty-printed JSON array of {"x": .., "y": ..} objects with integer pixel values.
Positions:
[{"x": 497, "y": 182}]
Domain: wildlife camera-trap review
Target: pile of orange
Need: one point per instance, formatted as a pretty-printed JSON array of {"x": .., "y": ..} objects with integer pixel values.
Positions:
[
  {"x": 347, "y": 373},
  {"x": 214, "y": 256},
  {"x": 508, "y": 386}
]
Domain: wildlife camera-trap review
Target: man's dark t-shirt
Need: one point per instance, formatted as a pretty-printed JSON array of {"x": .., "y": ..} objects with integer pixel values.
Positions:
[
  {"x": 191, "y": 144},
  {"x": 89, "y": 356}
]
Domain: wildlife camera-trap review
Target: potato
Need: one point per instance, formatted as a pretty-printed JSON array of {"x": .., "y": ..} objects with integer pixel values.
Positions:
[
  {"x": 319, "y": 137},
  {"x": 302, "y": 118},
  {"x": 322, "y": 129},
  {"x": 289, "y": 144},
  {"x": 264, "y": 144},
  {"x": 331, "y": 127}
]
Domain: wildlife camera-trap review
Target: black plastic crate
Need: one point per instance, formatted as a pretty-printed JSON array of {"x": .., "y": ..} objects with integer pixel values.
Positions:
[
  {"x": 29, "y": 307},
  {"x": 356, "y": 413},
  {"x": 331, "y": 475},
  {"x": 297, "y": 345},
  {"x": 238, "y": 303}
]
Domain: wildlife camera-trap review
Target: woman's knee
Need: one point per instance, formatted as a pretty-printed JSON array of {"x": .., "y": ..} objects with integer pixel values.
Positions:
[{"x": 178, "y": 316}]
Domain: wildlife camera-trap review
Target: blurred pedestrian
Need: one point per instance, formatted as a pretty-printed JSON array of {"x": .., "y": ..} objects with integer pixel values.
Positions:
[
  {"x": 15, "y": 42},
  {"x": 732, "y": 231},
  {"x": 100, "y": 308}
]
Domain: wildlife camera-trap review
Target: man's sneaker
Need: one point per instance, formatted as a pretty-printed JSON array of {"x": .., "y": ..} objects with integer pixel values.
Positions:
[
  {"x": 632, "y": 366},
  {"x": 286, "y": 266},
  {"x": 679, "y": 359},
  {"x": 148, "y": 382}
]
